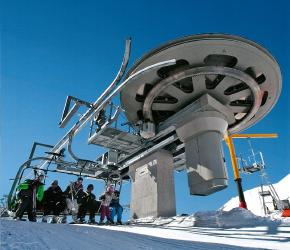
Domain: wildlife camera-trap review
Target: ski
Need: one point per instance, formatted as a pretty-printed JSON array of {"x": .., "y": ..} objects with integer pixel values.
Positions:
[
  {"x": 74, "y": 222},
  {"x": 93, "y": 223}
]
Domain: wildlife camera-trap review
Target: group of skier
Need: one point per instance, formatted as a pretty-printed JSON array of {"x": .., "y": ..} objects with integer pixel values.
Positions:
[{"x": 74, "y": 200}]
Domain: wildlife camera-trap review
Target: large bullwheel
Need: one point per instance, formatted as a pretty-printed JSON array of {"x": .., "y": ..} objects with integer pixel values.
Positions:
[{"x": 239, "y": 73}]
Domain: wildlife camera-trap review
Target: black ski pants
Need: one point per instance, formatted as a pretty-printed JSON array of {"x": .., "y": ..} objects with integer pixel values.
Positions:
[
  {"x": 25, "y": 203},
  {"x": 90, "y": 205},
  {"x": 53, "y": 206}
]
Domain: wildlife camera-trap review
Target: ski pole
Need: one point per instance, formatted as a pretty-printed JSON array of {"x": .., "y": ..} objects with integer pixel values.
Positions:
[
  {"x": 34, "y": 203},
  {"x": 72, "y": 196}
]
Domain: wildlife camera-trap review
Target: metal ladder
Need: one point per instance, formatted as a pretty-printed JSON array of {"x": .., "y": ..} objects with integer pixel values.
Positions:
[{"x": 272, "y": 190}]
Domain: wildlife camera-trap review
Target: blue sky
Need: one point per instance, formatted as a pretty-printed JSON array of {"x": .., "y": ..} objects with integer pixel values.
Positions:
[{"x": 51, "y": 49}]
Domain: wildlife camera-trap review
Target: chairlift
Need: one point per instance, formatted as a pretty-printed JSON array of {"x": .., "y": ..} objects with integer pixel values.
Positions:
[
  {"x": 256, "y": 162},
  {"x": 110, "y": 176}
]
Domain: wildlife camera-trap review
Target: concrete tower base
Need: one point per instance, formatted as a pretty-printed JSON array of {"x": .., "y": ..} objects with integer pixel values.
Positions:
[{"x": 152, "y": 190}]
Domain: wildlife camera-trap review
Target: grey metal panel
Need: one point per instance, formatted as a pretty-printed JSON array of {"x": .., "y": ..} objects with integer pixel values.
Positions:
[
  {"x": 77, "y": 171},
  {"x": 149, "y": 151},
  {"x": 173, "y": 120},
  {"x": 117, "y": 139},
  {"x": 206, "y": 168},
  {"x": 179, "y": 163}
]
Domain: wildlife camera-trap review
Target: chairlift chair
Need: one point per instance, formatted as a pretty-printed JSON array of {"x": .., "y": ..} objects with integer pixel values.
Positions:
[{"x": 257, "y": 165}]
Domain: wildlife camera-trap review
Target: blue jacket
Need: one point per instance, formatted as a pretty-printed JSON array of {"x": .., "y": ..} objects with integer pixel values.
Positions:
[{"x": 115, "y": 203}]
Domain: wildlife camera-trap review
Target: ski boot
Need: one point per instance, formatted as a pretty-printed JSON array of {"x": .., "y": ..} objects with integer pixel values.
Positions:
[
  {"x": 119, "y": 222},
  {"x": 92, "y": 221},
  {"x": 44, "y": 219},
  {"x": 20, "y": 219},
  {"x": 101, "y": 222},
  {"x": 62, "y": 220},
  {"x": 53, "y": 219},
  {"x": 75, "y": 219},
  {"x": 82, "y": 220},
  {"x": 110, "y": 222}
]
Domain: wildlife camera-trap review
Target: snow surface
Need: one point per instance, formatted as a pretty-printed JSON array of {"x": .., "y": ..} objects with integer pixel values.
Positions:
[{"x": 236, "y": 228}]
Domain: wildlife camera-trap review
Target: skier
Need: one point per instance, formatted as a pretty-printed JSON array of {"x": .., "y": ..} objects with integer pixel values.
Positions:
[
  {"x": 73, "y": 194},
  {"x": 116, "y": 208},
  {"x": 105, "y": 203},
  {"x": 88, "y": 203},
  {"x": 30, "y": 191},
  {"x": 53, "y": 201}
]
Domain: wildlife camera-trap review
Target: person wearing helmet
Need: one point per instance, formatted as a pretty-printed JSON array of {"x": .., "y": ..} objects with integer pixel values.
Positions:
[
  {"x": 105, "y": 203},
  {"x": 88, "y": 203},
  {"x": 53, "y": 200},
  {"x": 73, "y": 197},
  {"x": 31, "y": 191}
]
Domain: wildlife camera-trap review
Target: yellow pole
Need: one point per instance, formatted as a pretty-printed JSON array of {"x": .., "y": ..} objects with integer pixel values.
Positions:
[
  {"x": 229, "y": 142},
  {"x": 238, "y": 179}
]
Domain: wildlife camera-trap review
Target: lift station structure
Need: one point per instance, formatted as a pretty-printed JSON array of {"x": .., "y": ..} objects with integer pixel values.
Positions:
[{"x": 180, "y": 99}]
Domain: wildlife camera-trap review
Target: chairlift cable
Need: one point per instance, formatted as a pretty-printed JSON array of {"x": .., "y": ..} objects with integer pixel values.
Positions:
[{"x": 248, "y": 138}]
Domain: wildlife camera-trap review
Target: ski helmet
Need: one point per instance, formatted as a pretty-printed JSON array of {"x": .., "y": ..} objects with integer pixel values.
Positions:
[
  {"x": 110, "y": 189},
  {"x": 54, "y": 182},
  {"x": 90, "y": 186},
  {"x": 40, "y": 176}
]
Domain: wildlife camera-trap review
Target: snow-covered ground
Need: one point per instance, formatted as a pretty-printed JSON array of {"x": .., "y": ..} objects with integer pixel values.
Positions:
[
  {"x": 254, "y": 200},
  {"x": 236, "y": 228}
]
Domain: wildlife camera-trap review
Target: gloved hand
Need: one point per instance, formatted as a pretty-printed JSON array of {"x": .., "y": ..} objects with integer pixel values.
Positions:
[
  {"x": 32, "y": 184},
  {"x": 103, "y": 197}
]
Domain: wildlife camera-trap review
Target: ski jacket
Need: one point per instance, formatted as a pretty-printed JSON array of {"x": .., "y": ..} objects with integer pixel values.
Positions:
[
  {"x": 26, "y": 189},
  {"x": 72, "y": 190},
  {"x": 53, "y": 195},
  {"x": 88, "y": 197},
  {"x": 106, "y": 198},
  {"x": 115, "y": 203}
]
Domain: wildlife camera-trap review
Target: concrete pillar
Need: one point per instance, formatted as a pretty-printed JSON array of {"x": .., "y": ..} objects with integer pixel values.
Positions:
[{"x": 152, "y": 188}]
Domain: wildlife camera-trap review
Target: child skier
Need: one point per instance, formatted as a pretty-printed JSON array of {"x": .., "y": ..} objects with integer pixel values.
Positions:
[
  {"x": 105, "y": 203},
  {"x": 116, "y": 208}
]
